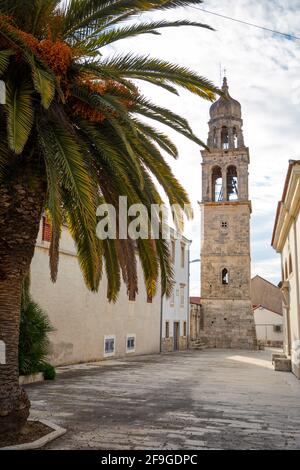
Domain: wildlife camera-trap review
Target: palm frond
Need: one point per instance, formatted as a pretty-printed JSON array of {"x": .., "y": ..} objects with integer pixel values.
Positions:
[
  {"x": 54, "y": 202},
  {"x": 20, "y": 114},
  {"x": 4, "y": 59},
  {"x": 89, "y": 248},
  {"x": 112, "y": 269},
  {"x": 83, "y": 17},
  {"x": 142, "y": 67},
  {"x": 44, "y": 84},
  {"x": 103, "y": 38},
  {"x": 158, "y": 137}
]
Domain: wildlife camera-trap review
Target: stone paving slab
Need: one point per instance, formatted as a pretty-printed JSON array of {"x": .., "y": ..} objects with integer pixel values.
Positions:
[{"x": 211, "y": 399}]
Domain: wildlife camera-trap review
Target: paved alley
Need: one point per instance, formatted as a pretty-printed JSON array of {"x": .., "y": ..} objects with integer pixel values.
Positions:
[{"x": 211, "y": 399}]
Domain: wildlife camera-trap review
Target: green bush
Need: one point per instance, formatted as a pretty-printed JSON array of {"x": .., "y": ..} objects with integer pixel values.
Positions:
[
  {"x": 48, "y": 371},
  {"x": 33, "y": 342}
]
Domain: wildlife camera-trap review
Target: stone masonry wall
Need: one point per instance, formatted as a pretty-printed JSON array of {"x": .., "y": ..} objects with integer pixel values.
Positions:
[{"x": 228, "y": 324}]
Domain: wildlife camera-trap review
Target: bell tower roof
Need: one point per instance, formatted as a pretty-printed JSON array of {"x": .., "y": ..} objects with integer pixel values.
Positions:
[{"x": 225, "y": 106}]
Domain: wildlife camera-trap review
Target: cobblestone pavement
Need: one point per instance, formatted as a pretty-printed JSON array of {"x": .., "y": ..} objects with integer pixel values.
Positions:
[{"x": 211, "y": 399}]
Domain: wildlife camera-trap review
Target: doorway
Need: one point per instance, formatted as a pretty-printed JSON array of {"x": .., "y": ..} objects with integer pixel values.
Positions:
[{"x": 176, "y": 335}]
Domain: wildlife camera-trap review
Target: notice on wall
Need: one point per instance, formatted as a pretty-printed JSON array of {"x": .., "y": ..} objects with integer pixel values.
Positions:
[{"x": 2, "y": 352}]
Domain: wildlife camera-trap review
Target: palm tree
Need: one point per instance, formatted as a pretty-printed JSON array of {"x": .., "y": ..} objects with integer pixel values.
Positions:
[{"x": 72, "y": 135}]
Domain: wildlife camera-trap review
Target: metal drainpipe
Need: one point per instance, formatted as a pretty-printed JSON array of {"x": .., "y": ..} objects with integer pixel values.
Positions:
[
  {"x": 161, "y": 322},
  {"x": 297, "y": 275},
  {"x": 188, "y": 302}
]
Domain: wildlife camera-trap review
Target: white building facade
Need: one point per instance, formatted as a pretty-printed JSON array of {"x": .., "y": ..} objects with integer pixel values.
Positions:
[
  {"x": 88, "y": 327},
  {"x": 286, "y": 241},
  {"x": 267, "y": 310},
  {"x": 175, "y": 310},
  {"x": 269, "y": 327}
]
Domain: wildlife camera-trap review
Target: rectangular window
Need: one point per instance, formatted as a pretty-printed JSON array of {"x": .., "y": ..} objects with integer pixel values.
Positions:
[
  {"x": 286, "y": 270},
  {"x": 181, "y": 296},
  {"x": 172, "y": 299},
  {"x": 173, "y": 251},
  {"x": 182, "y": 254},
  {"x": 277, "y": 328},
  {"x": 130, "y": 343},
  {"x": 46, "y": 230},
  {"x": 167, "y": 335},
  {"x": 109, "y": 345},
  {"x": 184, "y": 328},
  {"x": 290, "y": 265},
  {"x": 132, "y": 296}
]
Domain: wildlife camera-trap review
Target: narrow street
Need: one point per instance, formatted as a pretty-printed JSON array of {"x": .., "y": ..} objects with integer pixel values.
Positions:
[{"x": 212, "y": 399}]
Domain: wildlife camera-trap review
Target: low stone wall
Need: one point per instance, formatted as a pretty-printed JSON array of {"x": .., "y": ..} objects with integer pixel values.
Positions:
[
  {"x": 30, "y": 379},
  {"x": 167, "y": 344},
  {"x": 182, "y": 343},
  {"x": 270, "y": 343}
]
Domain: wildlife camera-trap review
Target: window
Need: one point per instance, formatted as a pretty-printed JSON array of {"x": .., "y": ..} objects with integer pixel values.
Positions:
[
  {"x": 172, "y": 299},
  {"x": 46, "y": 230},
  {"x": 232, "y": 183},
  {"x": 225, "y": 277},
  {"x": 109, "y": 345},
  {"x": 181, "y": 296},
  {"x": 184, "y": 328},
  {"x": 277, "y": 328},
  {"x": 224, "y": 225},
  {"x": 235, "y": 139},
  {"x": 217, "y": 184},
  {"x": 215, "y": 138},
  {"x": 130, "y": 343},
  {"x": 224, "y": 138},
  {"x": 290, "y": 264},
  {"x": 173, "y": 251},
  {"x": 167, "y": 333},
  {"x": 182, "y": 255},
  {"x": 286, "y": 270}
]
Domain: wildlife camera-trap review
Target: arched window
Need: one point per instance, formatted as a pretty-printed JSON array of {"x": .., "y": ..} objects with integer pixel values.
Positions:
[
  {"x": 234, "y": 137},
  {"x": 232, "y": 183},
  {"x": 224, "y": 138},
  {"x": 215, "y": 137},
  {"x": 225, "y": 277},
  {"x": 217, "y": 184}
]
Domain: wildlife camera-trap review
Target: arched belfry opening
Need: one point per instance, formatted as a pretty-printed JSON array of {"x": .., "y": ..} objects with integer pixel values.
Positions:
[
  {"x": 234, "y": 138},
  {"x": 232, "y": 183},
  {"x": 217, "y": 184},
  {"x": 224, "y": 138},
  {"x": 214, "y": 139}
]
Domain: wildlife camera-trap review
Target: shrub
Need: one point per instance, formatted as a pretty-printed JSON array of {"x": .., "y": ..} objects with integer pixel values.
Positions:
[
  {"x": 48, "y": 371},
  {"x": 33, "y": 341}
]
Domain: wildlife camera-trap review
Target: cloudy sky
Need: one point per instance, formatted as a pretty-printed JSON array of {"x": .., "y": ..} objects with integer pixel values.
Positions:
[{"x": 263, "y": 71}]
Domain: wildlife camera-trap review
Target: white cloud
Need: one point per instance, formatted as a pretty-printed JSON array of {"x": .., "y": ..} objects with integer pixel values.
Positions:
[{"x": 263, "y": 71}]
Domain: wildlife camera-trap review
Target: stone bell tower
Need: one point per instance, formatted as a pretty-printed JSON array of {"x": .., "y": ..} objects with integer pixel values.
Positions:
[{"x": 225, "y": 239}]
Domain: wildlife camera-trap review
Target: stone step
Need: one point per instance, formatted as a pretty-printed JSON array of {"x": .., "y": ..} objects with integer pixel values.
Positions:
[
  {"x": 277, "y": 355},
  {"x": 282, "y": 364},
  {"x": 197, "y": 344}
]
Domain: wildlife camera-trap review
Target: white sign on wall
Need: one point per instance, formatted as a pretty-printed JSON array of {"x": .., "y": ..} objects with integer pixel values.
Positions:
[
  {"x": 2, "y": 92},
  {"x": 2, "y": 352}
]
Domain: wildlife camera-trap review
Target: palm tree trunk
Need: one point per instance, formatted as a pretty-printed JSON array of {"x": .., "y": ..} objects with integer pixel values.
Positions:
[{"x": 21, "y": 203}]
